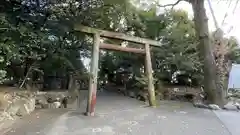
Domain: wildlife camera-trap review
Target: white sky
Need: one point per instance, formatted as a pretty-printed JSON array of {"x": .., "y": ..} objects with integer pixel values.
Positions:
[{"x": 220, "y": 9}]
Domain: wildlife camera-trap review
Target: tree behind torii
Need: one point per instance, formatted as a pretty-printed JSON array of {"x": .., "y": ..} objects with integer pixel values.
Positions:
[{"x": 213, "y": 85}]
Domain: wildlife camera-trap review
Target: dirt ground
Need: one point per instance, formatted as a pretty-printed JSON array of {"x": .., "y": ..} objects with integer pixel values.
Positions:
[{"x": 118, "y": 115}]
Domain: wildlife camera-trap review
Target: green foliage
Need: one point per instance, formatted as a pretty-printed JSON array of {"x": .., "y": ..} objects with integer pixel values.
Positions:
[
  {"x": 142, "y": 81},
  {"x": 179, "y": 53},
  {"x": 234, "y": 50},
  {"x": 35, "y": 33},
  {"x": 2, "y": 76},
  {"x": 41, "y": 33}
]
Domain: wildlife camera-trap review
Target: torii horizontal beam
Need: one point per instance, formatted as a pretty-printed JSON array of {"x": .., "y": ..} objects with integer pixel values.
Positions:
[
  {"x": 120, "y": 48},
  {"x": 104, "y": 33}
]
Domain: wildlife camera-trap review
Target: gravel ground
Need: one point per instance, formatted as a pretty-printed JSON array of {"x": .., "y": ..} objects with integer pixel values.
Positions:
[{"x": 118, "y": 115}]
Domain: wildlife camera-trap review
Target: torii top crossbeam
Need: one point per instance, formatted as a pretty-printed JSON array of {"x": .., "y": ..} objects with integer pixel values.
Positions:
[{"x": 116, "y": 35}]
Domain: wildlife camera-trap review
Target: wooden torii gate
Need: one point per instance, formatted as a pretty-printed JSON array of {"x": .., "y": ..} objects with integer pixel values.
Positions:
[{"x": 95, "y": 58}]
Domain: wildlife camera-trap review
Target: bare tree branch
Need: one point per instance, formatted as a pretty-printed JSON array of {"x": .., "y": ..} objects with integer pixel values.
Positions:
[
  {"x": 213, "y": 15},
  {"x": 226, "y": 14},
  {"x": 170, "y": 5},
  {"x": 235, "y": 7}
]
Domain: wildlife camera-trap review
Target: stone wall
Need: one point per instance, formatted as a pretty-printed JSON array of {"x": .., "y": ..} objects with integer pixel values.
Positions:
[{"x": 14, "y": 102}]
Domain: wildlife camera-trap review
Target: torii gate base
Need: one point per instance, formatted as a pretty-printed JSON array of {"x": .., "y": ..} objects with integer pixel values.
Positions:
[{"x": 95, "y": 58}]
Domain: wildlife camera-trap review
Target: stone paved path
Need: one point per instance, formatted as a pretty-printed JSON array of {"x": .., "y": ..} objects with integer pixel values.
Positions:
[{"x": 117, "y": 115}]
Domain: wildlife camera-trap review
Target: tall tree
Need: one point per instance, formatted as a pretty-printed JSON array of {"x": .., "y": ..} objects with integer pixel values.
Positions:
[
  {"x": 213, "y": 74},
  {"x": 211, "y": 84}
]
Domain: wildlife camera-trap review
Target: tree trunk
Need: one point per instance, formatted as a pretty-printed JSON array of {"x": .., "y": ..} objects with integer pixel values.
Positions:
[
  {"x": 227, "y": 75},
  {"x": 222, "y": 62},
  {"x": 211, "y": 81},
  {"x": 70, "y": 82}
]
